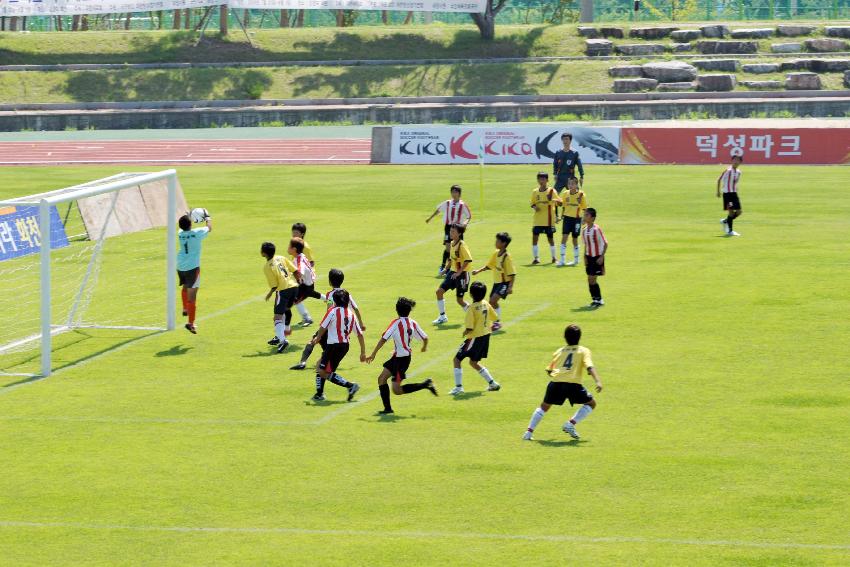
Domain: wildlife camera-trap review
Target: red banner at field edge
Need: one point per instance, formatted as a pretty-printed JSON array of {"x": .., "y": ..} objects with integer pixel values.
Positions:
[{"x": 776, "y": 146}]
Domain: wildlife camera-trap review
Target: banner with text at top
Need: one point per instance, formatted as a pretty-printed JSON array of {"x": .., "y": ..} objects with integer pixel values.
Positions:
[
  {"x": 521, "y": 144},
  {"x": 467, "y": 6}
]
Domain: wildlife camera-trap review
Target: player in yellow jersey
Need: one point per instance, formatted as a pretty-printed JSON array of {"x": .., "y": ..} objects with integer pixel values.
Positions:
[
  {"x": 504, "y": 275},
  {"x": 299, "y": 229},
  {"x": 283, "y": 280},
  {"x": 544, "y": 199},
  {"x": 574, "y": 202},
  {"x": 566, "y": 370},
  {"x": 476, "y": 339},
  {"x": 458, "y": 267}
]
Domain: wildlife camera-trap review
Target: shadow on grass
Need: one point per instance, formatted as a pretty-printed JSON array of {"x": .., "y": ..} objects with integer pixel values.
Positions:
[
  {"x": 561, "y": 443},
  {"x": 584, "y": 308},
  {"x": 176, "y": 350},
  {"x": 467, "y": 396},
  {"x": 324, "y": 403},
  {"x": 445, "y": 327},
  {"x": 261, "y": 354},
  {"x": 387, "y": 418}
]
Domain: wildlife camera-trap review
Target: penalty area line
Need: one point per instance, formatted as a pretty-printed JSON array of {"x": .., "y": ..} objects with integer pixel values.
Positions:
[{"x": 557, "y": 538}]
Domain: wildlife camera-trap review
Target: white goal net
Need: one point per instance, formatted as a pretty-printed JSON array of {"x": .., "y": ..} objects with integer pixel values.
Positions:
[{"x": 104, "y": 274}]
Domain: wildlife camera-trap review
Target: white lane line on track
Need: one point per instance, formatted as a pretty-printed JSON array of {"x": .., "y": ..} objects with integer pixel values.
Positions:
[
  {"x": 557, "y": 538},
  {"x": 421, "y": 369}
]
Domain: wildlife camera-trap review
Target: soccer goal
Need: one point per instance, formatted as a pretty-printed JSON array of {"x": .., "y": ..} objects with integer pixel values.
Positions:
[{"x": 86, "y": 265}]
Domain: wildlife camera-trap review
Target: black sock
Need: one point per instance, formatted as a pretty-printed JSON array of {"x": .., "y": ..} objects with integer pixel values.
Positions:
[
  {"x": 320, "y": 384},
  {"x": 445, "y": 257},
  {"x": 308, "y": 350},
  {"x": 590, "y": 288},
  {"x": 287, "y": 317},
  {"x": 729, "y": 220},
  {"x": 314, "y": 294},
  {"x": 339, "y": 380},
  {"x": 597, "y": 293},
  {"x": 385, "y": 396},
  {"x": 410, "y": 388}
]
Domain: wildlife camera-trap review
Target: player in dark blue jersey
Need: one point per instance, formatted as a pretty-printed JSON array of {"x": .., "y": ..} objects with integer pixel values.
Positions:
[{"x": 565, "y": 163}]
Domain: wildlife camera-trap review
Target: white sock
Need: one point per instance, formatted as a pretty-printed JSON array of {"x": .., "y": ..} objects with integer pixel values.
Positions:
[
  {"x": 575, "y": 253},
  {"x": 582, "y": 413},
  {"x": 441, "y": 306},
  {"x": 563, "y": 252},
  {"x": 278, "y": 330},
  {"x": 486, "y": 375},
  {"x": 459, "y": 377},
  {"x": 535, "y": 418},
  {"x": 534, "y": 250},
  {"x": 498, "y": 313},
  {"x": 303, "y": 311},
  {"x": 552, "y": 250}
]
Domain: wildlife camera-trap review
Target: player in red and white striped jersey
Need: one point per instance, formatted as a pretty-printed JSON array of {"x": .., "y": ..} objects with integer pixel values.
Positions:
[
  {"x": 401, "y": 331},
  {"x": 595, "y": 247},
  {"x": 727, "y": 185},
  {"x": 307, "y": 281},
  {"x": 454, "y": 211},
  {"x": 336, "y": 328}
]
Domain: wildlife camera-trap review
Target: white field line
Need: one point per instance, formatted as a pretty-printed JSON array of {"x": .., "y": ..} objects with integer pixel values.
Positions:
[
  {"x": 425, "y": 535},
  {"x": 419, "y": 370}
]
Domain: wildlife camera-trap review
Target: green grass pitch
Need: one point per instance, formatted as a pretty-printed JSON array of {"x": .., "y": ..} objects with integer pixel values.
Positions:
[{"x": 721, "y": 437}]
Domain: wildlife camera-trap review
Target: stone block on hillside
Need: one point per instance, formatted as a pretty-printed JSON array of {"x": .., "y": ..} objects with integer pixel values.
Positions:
[
  {"x": 715, "y": 83},
  {"x": 616, "y": 33},
  {"x": 802, "y": 82},
  {"x": 786, "y": 47},
  {"x": 681, "y": 47},
  {"x": 598, "y": 47},
  {"x": 685, "y": 35},
  {"x": 652, "y": 33},
  {"x": 825, "y": 45},
  {"x": 791, "y": 30},
  {"x": 760, "y": 68},
  {"x": 829, "y": 65},
  {"x": 714, "y": 30},
  {"x": 762, "y": 85},
  {"x": 669, "y": 71},
  {"x": 675, "y": 87},
  {"x": 847, "y": 79},
  {"x": 634, "y": 85},
  {"x": 588, "y": 32},
  {"x": 633, "y": 49},
  {"x": 625, "y": 71},
  {"x": 752, "y": 33},
  {"x": 837, "y": 31},
  {"x": 796, "y": 65},
  {"x": 707, "y": 47},
  {"x": 728, "y": 65}
]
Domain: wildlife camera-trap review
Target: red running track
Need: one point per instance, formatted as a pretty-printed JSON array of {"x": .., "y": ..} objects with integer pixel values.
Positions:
[{"x": 339, "y": 151}]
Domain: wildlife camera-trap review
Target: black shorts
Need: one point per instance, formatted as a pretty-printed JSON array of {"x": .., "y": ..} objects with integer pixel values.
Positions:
[
  {"x": 189, "y": 278},
  {"x": 561, "y": 182},
  {"x": 571, "y": 226},
  {"x": 332, "y": 355},
  {"x": 398, "y": 366},
  {"x": 559, "y": 392},
  {"x": 447, "y": 238},
  {"x": 460, "y": 284},
  {"x": 283, "y": 300},
  {"x": 591, "y": 268},
  {"x": 731, "y": 201},
  {"x": 304, "y": 291},
  {"x": 500, "y": 289},
  {"x": 547, "y": 230},
  {"x": 474, "y": 349}
]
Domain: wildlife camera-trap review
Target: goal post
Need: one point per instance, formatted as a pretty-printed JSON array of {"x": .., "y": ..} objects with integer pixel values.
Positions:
[{"x": 103, "y": 276}]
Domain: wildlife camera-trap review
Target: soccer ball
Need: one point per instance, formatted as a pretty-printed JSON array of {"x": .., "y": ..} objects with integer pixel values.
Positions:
[{"x": 199, "y": 215}]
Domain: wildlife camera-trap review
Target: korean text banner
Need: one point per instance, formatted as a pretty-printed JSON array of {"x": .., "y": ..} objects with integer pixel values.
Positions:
[
  {"x": 532, "y": 144},
  {"x": 20, "y": 234},
  {"x": 401, "y": 5},
  {"x": 68, "y": 7},
  {"x": 758, "y": 145}
]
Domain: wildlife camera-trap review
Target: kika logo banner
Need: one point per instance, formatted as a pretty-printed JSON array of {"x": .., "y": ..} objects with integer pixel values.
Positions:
[{"x": 522, "y": 144}]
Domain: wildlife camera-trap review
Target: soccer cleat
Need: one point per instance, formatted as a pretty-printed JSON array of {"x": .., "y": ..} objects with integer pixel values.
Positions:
[
  {"x": 306, "y": 322},
  {"x": 441, "y": 272},
  {"x": 353, "y": 389},
  {"x": 593, "y": 304},
  {"x": 318, "y": 397},
  {"x": 299, "y": 366},
  {"x": 440, "y": 320},
  {"x": 571, "y": 429},
  {"x": 282, "y": 346},
  {"x": 494, "y": 386},
  {"x": 496, "y": 326},
  {"x": 561, "y": 264},
  {"x": 527, "y": 436},
  {"x": 456, "y": 390},
  {"x": 274, "y": 341},
  {"x": 574, "y": 263},
  {"x": 386, "y": 412},
  {"x": 429, "y": 385},
  {"x": 536, "y": 261},
  {"x": 600, "y": 302},
  {"x": 191, "y": 328},
  {"x": 733, "y": 233}
]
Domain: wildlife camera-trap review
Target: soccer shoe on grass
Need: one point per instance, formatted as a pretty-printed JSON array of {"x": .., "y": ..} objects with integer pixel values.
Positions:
[
  {"x": 306, "y": 322},
  {"x": 561, "y": 264},
  {"x": 496, "y": 326},
  {"x": 573, "y": 263},
  {"x": 317, "y": 397},
  {"x": 733, "y": 233},
  {"x": 274, "y": 341},
  {"x": 494, "y": 386},
  {"x": 429, "y": 385},
  {"x": 536, "y": 261},
  {"x": 527, "y": 436},
  {"x": 386, "y": 412},
  {"x": 299, "y": 366},
  {"x": 456, "y": 390},
  {"x": 571, "y": 429},
  {"x": 282, "y": 346},
  {"x": 353, "y": 389},
  {"x": 191, "y": 328},
  {"x": 440, "y": 320}
]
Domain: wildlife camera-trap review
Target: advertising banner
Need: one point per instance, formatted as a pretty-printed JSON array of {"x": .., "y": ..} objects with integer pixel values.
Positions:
[
  {"x": 520, "y": 144},
  {"x": 778, "y": 146},
  {"x": 20, "y": 234},
  {"x": 466, "y": 6}
]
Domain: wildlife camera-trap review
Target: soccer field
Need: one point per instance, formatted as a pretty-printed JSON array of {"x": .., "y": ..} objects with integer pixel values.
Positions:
[{"x": 721, "y": 437}]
